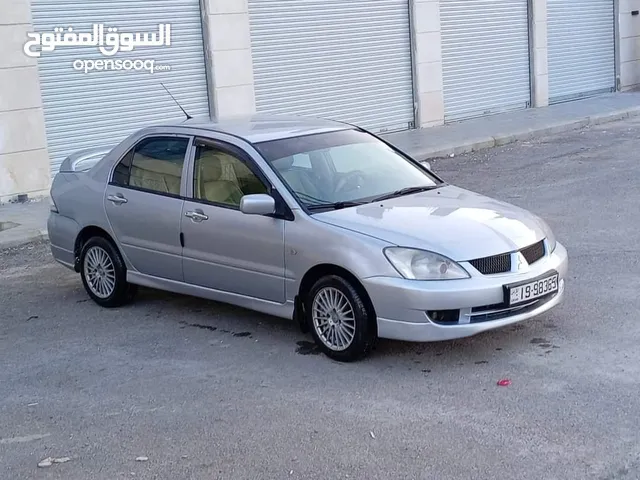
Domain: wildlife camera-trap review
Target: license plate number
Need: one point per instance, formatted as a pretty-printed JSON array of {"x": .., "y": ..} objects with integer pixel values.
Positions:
[{"x": 532, "y": 290}]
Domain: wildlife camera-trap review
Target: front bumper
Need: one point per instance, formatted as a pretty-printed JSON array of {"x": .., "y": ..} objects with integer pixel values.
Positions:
[{"x": 402, "y": 305}]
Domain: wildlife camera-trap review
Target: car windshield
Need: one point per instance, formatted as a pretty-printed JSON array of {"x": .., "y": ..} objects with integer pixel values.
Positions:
[{"x": 343, "y": 168}]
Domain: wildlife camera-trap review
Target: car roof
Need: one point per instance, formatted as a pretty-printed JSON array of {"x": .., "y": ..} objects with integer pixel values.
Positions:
[{"x": 262, "y": 128}]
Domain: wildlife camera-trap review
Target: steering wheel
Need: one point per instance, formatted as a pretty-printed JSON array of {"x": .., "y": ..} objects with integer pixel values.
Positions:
[{"x": 351, "y": 181}]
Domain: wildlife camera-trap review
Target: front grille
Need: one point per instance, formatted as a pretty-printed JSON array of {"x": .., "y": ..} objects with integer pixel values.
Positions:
[
  {"x": 495, "y": 264},
  {"x": 534, "y": 252},
  {"x": 486, "y": 314}
]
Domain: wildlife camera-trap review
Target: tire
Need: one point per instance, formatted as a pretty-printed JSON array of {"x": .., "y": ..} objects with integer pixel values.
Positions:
[
  {"x": 114, "y": 290},
  {"x": 346, "y": 337}
]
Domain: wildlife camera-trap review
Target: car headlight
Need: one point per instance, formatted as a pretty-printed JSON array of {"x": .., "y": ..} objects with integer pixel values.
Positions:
[
  {"x": 417, "y": 264},
  {"x": 551, "y": 239}
]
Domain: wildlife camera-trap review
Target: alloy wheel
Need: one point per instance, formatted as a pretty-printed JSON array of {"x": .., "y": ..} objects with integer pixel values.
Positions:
[
  {"x": 333, "y": 319},
  {"x": 99, "y": 272}
]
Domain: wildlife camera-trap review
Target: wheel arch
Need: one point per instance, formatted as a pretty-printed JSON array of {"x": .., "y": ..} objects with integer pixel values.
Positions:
[
  {"x": 85, "y": 234},
  {"x": 314, "y": 274}
]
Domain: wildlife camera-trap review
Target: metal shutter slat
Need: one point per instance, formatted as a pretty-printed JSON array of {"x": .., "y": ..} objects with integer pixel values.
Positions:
[
  {"x": 485, "y": 57},
  {"x": 581, "y": 48},
  {"x": 348, "y": 60},
  {"x": 103, "y": 107}
]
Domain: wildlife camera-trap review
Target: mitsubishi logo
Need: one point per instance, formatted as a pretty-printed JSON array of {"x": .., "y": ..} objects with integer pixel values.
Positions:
[{"x": 521, "y": 263}]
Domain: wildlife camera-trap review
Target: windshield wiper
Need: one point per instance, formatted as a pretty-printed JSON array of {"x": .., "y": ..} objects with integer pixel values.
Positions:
[
  {"x": 405, "y": 191},
  {"x": 333, "y": 206},
  {"x": 314, "y": 203}
]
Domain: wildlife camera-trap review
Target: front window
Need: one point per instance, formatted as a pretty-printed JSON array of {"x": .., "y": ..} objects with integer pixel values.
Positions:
[
  {"x": 337, "y": 169},
  {"x": 222, "y": 178}
]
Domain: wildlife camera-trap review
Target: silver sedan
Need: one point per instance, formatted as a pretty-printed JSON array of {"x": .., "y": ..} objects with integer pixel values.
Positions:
[{"x": 311, "y": 220}]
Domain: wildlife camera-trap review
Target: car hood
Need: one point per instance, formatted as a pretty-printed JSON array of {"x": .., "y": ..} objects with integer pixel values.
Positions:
[{"x": 454, "y": 222}]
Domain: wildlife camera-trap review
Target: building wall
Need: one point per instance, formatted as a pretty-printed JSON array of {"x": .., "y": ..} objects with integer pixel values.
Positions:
[
  {"x": 228, "y": 53},
  {"x": 539, "y": 54},
  {"x": 629, "y": 44},
  {"x": 24, "y": 162},
  {"x": 427, "y": 60},
  {"x": 427, "y": 53}
]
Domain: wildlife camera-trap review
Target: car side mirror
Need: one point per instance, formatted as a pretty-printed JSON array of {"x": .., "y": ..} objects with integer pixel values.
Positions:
[
  {"x": 258, "y": 204},
  {"x": 426, "y": 165}
]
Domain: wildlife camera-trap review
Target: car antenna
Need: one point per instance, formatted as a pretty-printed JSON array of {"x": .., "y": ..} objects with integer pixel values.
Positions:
[{"x": 189, "y": 117}]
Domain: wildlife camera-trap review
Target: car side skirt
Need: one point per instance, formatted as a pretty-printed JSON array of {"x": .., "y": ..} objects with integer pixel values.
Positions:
[{"x": 282, "y": 310}]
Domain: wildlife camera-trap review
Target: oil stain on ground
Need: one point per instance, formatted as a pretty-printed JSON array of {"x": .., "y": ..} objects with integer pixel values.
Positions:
[
  {"x": 544, "y": 343},
  {"x": 214, "y": 329}
]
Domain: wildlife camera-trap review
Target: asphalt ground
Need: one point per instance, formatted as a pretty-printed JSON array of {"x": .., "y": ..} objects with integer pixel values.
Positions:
[{"x": 208, "y": 391}]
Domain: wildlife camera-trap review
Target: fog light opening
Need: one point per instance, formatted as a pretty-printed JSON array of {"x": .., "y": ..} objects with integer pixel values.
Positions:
[{"x": 444, "y": 316}]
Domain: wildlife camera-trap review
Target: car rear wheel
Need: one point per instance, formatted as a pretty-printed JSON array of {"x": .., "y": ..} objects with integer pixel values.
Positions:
[
  {"x": 339, "y": 320},
  {"x": 104, "y": 274}
]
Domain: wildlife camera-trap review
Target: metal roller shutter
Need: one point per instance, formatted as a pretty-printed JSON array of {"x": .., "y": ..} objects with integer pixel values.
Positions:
[
  {"x": 102, "y": 107},
  {"x": 581, "y": 48},
  {"x": 348, "y": 60},
  {"x": 485, "y": 57}
]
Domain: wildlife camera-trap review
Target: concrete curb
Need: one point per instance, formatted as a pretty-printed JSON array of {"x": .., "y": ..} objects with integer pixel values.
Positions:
[{"x": 499, "y": 140}]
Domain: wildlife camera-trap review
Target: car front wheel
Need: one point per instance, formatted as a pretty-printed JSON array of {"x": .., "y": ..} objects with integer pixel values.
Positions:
[
  {"x": 339, "y": 320},
  {"x": 104, "y": 274}
]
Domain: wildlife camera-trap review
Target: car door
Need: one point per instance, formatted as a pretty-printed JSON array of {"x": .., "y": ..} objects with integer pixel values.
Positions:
[
  {"x": 225, "y": 249},
  {"x": 143, "y": 202}
]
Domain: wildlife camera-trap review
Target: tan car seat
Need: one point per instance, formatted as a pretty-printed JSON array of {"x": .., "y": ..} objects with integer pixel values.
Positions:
[
  {"x": 248, "y": 180},
  {"x": 156, "y": 175},
  {"x": 216, "y": 180}
]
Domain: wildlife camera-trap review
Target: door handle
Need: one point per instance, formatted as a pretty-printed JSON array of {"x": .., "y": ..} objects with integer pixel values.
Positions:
[
  {"x": 196, "y": 216},
  {"x": 117, "y": 199}
]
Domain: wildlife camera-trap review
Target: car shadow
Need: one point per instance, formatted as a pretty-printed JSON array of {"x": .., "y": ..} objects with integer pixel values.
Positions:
[
  {"x": 208, "y": 312},
  {"x": 197, "y": 313}
]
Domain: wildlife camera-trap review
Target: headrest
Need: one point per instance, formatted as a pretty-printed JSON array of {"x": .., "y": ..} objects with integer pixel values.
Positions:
[
  {"x": 209, "y": 166},
  {"x": 161, "y": 167},
  {"x": 283, "y": 163}
]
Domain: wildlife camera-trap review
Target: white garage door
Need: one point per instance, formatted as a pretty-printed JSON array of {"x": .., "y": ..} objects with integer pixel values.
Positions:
[
  {"x": 485, "y": 57},
  {"x": 102, "y": 107},
  {"x": 348, "y": 60},
  {"x": 581, "y": 48}
]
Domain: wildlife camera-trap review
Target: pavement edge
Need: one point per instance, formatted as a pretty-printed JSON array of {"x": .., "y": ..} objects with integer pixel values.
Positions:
[{"x": 483, "y": 143}]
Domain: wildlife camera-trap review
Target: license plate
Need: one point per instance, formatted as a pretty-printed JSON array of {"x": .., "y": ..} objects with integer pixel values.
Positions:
[{"x": 526, "y": 292}]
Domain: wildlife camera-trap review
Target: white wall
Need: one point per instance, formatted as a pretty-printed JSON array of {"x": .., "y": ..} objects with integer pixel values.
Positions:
[
  {"x": 427, "y": 54},
  {"x": 228, "y": 54},
  {"x": 540, "y": 63},
  {"x": 629, "y": 42},
  {"x": 24, "y": 162}
]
